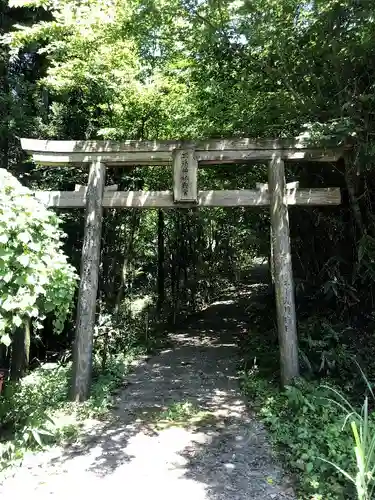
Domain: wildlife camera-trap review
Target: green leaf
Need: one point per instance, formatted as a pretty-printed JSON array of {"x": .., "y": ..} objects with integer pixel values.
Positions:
[
  {"x": 5, "y": 339},
  {"x": 26, "y": 437},
  {"x": 39, "y": 283},
  {"x": 8, "y": 276},
  {"x": 36, "y": 436},
  {"x": 24, "y": 260},
  {"x": 17, "y": 321},
  {"x": 44, "y": 432},
  {"x": 37, "y": 247},
  {"x": 309, "y": 467},
  {"x": 24, "y": 237}
]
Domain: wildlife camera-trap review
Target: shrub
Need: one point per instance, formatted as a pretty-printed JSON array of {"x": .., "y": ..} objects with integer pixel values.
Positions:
[
  {"x": 362, "y": 425},
  {"x": 306, "y": 427},
  {"x": 35, "y": 277},
  {"x": 36, "y": 411}
]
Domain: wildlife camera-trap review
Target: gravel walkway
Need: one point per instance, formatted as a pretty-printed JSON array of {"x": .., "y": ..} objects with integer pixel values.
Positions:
[{"x": 222, "y": 455}]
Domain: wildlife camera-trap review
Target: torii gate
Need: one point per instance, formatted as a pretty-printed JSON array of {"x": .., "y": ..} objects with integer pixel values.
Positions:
[{"x": 185, "y": 157}]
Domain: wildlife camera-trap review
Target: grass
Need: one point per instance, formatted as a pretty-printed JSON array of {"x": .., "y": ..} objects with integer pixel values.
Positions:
[
  {"x": 363, "y": 435},
  {"x": 182, "y": 414},
  {"x": 320, "y": 442},
  {"x": 36, "y": 412},
  {"x": 304, "y": 428}
]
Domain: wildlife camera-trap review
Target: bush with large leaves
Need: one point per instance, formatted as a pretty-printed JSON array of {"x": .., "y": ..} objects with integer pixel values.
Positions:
[{"x": 35, "y": 277}]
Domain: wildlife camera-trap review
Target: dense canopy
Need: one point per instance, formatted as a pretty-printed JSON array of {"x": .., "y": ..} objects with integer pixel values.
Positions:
[{"x": 198, "y": 69}]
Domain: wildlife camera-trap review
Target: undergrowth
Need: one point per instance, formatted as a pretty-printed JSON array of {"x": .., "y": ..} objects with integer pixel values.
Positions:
[
  {"x": 184, "y": 414},
  {"x": 311, "y": 428},
  {"x": 36, "y": 411},
  {"x": 305, "y": 428}
]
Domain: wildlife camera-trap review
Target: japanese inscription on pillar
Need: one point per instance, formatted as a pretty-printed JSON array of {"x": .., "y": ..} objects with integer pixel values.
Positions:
[{"x": 185, "y": 168}]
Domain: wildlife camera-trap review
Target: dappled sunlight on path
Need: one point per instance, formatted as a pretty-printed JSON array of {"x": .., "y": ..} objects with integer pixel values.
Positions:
[{"x": 214, "y": 451}]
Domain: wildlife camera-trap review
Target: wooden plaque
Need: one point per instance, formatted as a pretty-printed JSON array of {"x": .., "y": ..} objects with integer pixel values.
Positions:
[{"x": 185, "y": 170}]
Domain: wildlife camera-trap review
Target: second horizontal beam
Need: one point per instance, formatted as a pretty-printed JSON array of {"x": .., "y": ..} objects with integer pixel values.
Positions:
[{"x": 164, "y": 199}]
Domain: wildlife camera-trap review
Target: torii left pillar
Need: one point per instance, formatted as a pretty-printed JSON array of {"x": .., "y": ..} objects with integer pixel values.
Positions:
[{"x": 88, "y": 288}]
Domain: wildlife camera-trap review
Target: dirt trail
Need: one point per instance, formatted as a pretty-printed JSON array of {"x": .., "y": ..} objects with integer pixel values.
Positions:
[{"x": 224, "y": 455}]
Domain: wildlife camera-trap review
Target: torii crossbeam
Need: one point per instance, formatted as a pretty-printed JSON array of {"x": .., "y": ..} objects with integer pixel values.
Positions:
[{"x": 185, "y": 157}]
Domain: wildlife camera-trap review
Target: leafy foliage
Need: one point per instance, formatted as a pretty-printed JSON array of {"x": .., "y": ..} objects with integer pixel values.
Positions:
[
  {"x": 36, "y": 411},
  {"x": 363, "y": 435},
  {"x": 35, "y": 277},
  {"x": 189, "y": 69},
  {"x": 311, "y": 422},
  {"x": 306, "y": 428}
]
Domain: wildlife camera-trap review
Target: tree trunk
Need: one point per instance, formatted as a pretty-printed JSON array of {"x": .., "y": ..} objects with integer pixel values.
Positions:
[
  {"x": 161, "y": 283},
  {"x": 20, "y": 351},
  {"x": 135, "y": 220},
  {"x": 173, "y": 285},
  {"x": 3, "y": 356},
  {"x": 194, "y": 253},
  {"x": 351, "y": 180},
  {"x": 5, "y": 26}
]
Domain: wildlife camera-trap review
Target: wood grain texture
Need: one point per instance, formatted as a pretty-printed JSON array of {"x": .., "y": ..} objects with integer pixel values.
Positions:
[
  {"x": 185, "y": 173},
  {"x": 50, "y": 146},
  {"x": 289, "y": 186},
  {"x": 86, "y": 307},
  {"x": 112, "y": 187},
  {"x": 164, "y": 199},
  {"x": 257, "y": 155},
  {"x": 221, "y": 151},
  {"x": 283, "y": 274},
  {"x": 164, "y": 158},
  {"x": 113, "y": 159}
]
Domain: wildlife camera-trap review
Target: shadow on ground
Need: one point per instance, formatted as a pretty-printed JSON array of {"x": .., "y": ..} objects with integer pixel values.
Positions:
[{"x": 180, "y": 427}]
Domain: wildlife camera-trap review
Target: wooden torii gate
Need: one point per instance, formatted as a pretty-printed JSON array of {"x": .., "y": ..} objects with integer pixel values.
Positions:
[{"x": 185, "y": 157}]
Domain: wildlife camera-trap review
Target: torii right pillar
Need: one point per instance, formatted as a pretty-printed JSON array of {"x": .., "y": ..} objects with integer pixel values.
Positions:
[{"x": 283, "y": 274}]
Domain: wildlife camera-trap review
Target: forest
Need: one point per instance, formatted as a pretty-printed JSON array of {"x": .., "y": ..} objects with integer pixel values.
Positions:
[{"x": 190, "y": 70}]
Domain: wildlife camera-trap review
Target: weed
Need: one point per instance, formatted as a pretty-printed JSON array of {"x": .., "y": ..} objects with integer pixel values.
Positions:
[
  {"x": 36, "y": 412},
  {"x": 181, "y": 414},
  {"x": 362, "y": 425},
  {"x": 304, "y": 427}
]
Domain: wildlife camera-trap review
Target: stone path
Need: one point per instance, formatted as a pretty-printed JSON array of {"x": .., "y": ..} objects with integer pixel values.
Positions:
[{"x": 224, "y": 455}]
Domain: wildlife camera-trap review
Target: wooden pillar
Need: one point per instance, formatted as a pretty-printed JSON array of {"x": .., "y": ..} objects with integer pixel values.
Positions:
[
  {"x": 161, "y": 263},
  {"x": 90, "y": 261},
  {"x": 283, "y": 275},
  {"x": 271, "y": 262}
]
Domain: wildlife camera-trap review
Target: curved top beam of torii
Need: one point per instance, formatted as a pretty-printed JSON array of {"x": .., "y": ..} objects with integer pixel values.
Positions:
[
  {"x": 211, "y": 151},
  {"x": 185, "y": 156}
]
